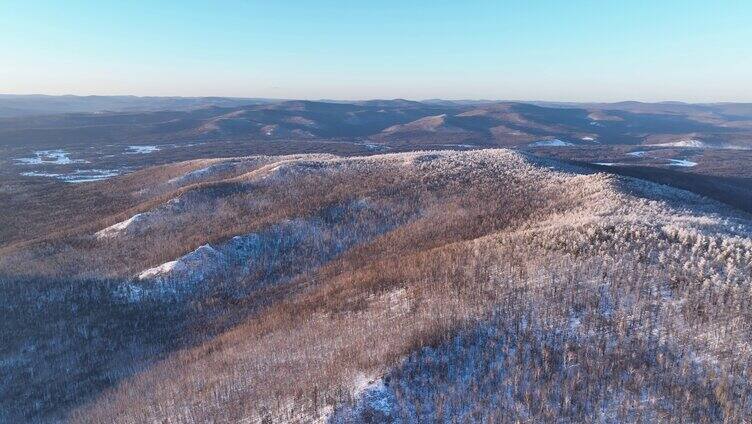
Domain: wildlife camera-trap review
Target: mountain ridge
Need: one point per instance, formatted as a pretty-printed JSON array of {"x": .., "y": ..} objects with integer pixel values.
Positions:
[{"x": 362, "y": 272}]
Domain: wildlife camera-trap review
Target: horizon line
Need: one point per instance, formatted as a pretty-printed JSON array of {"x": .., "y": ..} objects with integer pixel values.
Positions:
[{"x": 330, "y": 100}]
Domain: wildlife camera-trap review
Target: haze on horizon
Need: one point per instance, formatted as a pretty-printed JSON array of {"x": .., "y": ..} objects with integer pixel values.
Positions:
[{"x": 694, "y": 51}]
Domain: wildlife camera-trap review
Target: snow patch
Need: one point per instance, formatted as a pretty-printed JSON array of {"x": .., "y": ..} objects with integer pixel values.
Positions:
[
  {"x": 637, "y": 154},
  {"x": 77, "y": 176},
  {"x": 176, "y": 276},
  {"x": 203, "y": 258},
  {"x": 269, "y": 130},
  {"x": 41, "y": 174},
  {"x": 375, "y": 403},
  {"x": 122, "y": 227},
  {"x": 699, "y": 144},
  {"x": 374, "y": 147},
  {"x": 551, "y": 143},
  {"x": 681, "y": 162},
  {"x": 136, "y": 150},
  {"x": 49, "y": 157}
]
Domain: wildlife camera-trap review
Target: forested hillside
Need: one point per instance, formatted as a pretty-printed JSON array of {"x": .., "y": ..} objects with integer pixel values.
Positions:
[{"x": 477, "y": 286}]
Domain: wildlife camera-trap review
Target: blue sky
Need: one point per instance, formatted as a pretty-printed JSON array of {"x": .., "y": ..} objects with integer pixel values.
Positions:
[{"x": 576, "y": 50}]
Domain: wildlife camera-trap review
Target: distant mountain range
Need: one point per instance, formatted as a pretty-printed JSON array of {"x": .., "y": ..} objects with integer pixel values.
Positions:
[
  {"x": 51, "y": 120},
  {"x": 36, "y": 104}
]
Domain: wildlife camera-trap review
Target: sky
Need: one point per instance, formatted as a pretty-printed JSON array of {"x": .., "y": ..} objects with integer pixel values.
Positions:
[{"x": 574, "y": 50}]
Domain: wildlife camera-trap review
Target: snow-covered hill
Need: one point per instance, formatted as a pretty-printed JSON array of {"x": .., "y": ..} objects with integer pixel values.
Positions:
[{"x": 478, "y": 286}]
